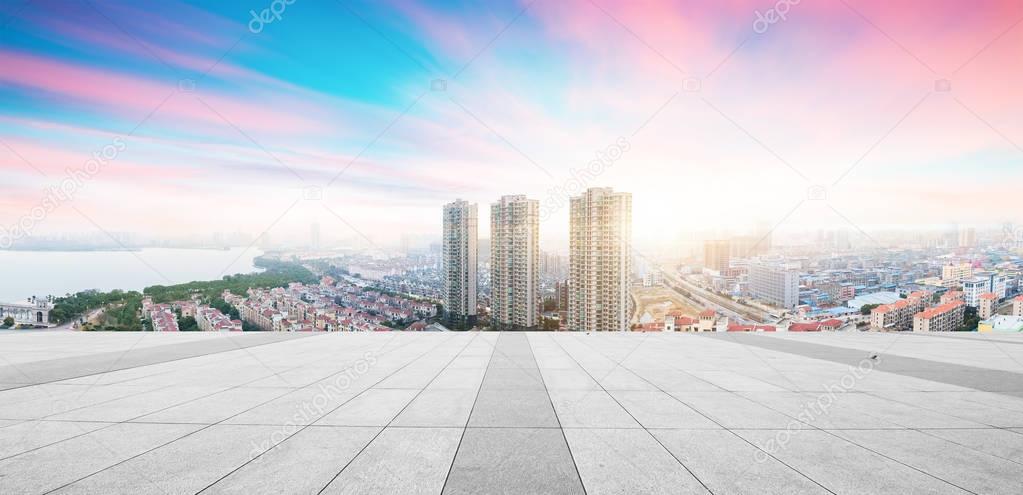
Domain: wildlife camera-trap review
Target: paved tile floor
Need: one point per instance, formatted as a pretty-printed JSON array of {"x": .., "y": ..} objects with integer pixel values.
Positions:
[{"x": 480, "y": 413}]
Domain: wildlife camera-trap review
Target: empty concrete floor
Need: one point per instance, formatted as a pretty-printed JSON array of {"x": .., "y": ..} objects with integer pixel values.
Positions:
[{"x": 509, "y": 413}]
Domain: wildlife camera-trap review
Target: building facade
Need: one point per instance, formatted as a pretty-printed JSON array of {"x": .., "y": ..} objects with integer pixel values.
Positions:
[
  {"x": 774, "y": 284},
  {"x": 986, "y": 304},
  {"x": 717, "y": 255},
  {"x": 460, "y": 252},
  {"x": 600, "y": 261},
  {"x": 515, "y": 301},
  {"x": 947, "y": 317}
]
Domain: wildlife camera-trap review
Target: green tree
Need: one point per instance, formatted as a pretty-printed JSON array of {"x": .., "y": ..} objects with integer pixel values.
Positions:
[
  {"x": 8, "y": 322},
  {"x": 867, "y": 308},
  {"x": 187, "y": 324}
]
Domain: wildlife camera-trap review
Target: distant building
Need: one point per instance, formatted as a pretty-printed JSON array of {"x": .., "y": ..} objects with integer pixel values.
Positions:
[
  {"x": 676, "y": 322},
  {"x": 986, "y": 305},
  {"x": 952, "y": 295},
  {"x": 774, "y": 284},
  {"x": 460, "y": 252},
  {"x": 1001, "y": 323},
  {"x": 943, "y": 318},
  {"x": 898, "y": 316},
  {"x": 717, "y": 254},
  {"x": 967, "y": 237},
  {"x": 515, "y": 263},
  {"x": 600, "y": 260},
  {"x": 953, "y": 273},
  {"x": 1017, "y": 306},
  {"x": 982, "y": 283}
]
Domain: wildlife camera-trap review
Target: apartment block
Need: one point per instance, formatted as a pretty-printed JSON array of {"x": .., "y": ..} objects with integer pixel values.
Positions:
[
  {"x": 986, "y": 305},
  {"x": 515, "y": 263},
  {"x": 460, "y": 252},
  {"x": 943, "y": 318},
  {"x": 898, "y": 316},
  {"x": 953, "y": 273},
  {"x": 774, "y": 284},
  {"x": 600, "y": 260},
  {"x": 717, "y": 255}
]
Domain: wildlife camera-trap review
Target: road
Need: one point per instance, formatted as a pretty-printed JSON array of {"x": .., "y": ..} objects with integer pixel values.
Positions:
[
  {"x": 735, "y": 311},
  {"x": 91, "y": 315}
]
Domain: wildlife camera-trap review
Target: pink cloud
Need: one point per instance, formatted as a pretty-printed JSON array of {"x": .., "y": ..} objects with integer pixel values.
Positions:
[{"x": 134, "y": 97}]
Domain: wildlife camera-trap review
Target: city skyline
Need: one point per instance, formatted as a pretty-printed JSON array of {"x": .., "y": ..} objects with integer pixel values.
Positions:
[{"x": 402, "y": 105}]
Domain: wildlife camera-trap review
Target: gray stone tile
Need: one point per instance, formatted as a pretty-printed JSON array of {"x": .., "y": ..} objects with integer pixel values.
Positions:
[
  {"x": 438, "y": 408},
  {"x": 374, "y": 407},
  {"x": 734, "y": 411},
  {"x": 627, "y": 461},
  {"x": 1007, "y": 444},
  {"x": 183, "y": 466},
  {"x": 410, "y": 378},
  {"x": 676, "y": 381},
  {"x": 522, "y": 408},
  {"x": 513, "y": 378},
  {"x": 952, "y": 404},
  {"x": 30, "y": 435},
  {"x": 822, "y": 410},
  {"x": 623, "y": 379},
  {"x": 841, "y": 466},
  {"x": 590, "y": 409},
  {"x": 728, "y": 464},
  {"x": 568, "y": 379},
  {"x": 136, "y": 405},
  {"x": 966, "y": 468},
  {"x": 301, "y": 407},
  {"x": 303, "y": 464},
  {"x": 659, "y": 410},
  {"x": 48, "y": 468},
  {"x": 513, "y": 460},
  {"x": 458, "y": 378},
  {"x": 215, "y": 408},
  {"x": 900, "y": 413},
  {"x": 401, "y": 460}
]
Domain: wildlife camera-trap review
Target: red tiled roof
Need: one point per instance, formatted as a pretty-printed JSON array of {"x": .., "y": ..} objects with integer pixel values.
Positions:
[
  {"x": 805, "y": 327},
  {"x": 938, "y": 310},
  {"x": 750, "y": 328},
  {"x": 707, "y": 313},
  {"x": 988, "y": 295}
]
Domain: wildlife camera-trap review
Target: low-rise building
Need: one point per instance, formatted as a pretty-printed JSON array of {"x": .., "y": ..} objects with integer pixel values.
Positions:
[
  {"x": 942, "y": 318},
  {"x": 1001, "y": 323},
  {"x": 986, "y": 305}
]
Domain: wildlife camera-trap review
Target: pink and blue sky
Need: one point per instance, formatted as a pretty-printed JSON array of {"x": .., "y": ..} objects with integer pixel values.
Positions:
[{"x": 727, "y": 124}]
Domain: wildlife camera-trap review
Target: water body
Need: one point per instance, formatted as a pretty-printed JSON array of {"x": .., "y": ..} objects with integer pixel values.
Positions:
[{"x": 27, "y": 273}]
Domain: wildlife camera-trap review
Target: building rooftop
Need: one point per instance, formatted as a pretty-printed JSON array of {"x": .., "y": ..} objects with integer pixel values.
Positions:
[
  {"x": 514, "y": 412},
  {"x": 939, "y": 310},
  {"x": 876, "y": 298}
]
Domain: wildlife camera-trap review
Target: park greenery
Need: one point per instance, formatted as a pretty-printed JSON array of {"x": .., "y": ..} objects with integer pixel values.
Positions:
[
  {"x": 276, "y": 274},
  {"x": 867, "y": 308},
  {"x": 122, "y": 309}
]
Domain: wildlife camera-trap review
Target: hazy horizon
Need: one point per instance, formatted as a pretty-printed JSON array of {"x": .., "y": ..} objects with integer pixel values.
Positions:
[{"x": 176, "y": 119}]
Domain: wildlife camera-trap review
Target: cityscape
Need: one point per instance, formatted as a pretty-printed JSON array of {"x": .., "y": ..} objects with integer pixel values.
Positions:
[{"x": 586, "y": 247}]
